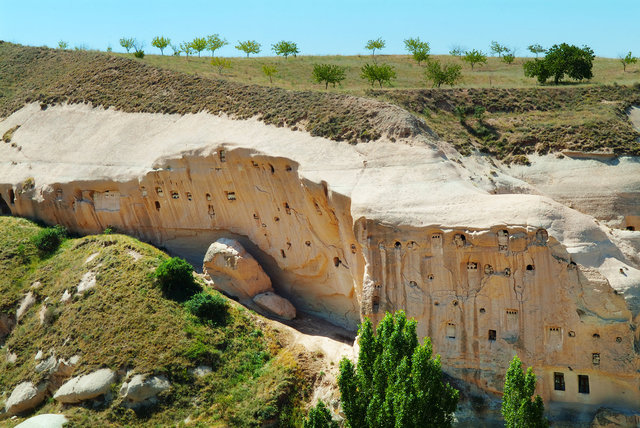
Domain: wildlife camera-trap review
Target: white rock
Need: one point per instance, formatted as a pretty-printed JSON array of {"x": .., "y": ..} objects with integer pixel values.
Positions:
[
  {"x": 24, "y": 397},
  {"x": 134, "y": 255},
  {"x": 12, "y": 357},
  {"x": 201, "y": 371},
  {"x": 36, "y": 285},
  {"x": 66, "y": 297},
  {"x": 276, "y": 305},
  {"x": 39, "y": 355},
  {"x": 47, "y": 420},
  {"x": 87, "y": 282},
  {"x": 47, "y": 365},
  {"x": 85, "y": 387},
  {"x": 25, "y": 305},
  {"x": 144, "y": 387},
  {"x": 91, "y": 257},
  {"x": 234, "y": 270}
]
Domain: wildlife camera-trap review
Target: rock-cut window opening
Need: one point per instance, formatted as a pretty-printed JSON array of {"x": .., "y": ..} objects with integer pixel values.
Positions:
[
  {"x": 223, "y": 155},
  {"x": 595, "y": 358},
  {"x": 12, "y": 197},
  {"x": 4, "y": 208},
  {"x": 451, "y": 331},
  {"x": 583, "y": 384},
  {"x": 558, "y": 381},
  {"x": 631, "y": 228},
  {"x": 157, "y": 206},
  {"x": 530, "y": 267},
  {"x": 337, "y": 261},
  {"x": 492, "y": 335},
  {"x": 231, "y": 196}
]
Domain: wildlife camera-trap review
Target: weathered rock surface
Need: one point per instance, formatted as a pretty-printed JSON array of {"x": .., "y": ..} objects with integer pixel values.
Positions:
[
  {"x": 275, "y": 304},
  {"x": 490, "y": 260},
  {"x": 85, "y": 387},
  {"x": 201, "y": 371},
  {"x": 6, "y": 325},
  {"x": 27, "y": 302},
  {"x": 234, "y": 270},
  {"x": 25, "y": 397},
  {"x": 47, "y": 420},
  {"x": 143, "y": 387},
  {"x": 609, "y": 418}
]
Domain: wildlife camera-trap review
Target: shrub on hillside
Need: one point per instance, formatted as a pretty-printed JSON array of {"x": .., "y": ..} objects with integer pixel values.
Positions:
[
  {"x": 176, "y": 278},
  {"x": 48, "y": 240},
  {"x": 211, "y": 308}
]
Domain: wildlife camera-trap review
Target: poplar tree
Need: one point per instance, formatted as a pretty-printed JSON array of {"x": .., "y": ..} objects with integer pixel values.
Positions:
[{"x": 519, "y": 409}]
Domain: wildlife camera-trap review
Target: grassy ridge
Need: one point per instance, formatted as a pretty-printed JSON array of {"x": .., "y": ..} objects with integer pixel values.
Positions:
[{"x": 125, "y": 323}]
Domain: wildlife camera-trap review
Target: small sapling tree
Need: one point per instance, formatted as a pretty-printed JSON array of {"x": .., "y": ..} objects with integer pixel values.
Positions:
[
  {"x": 127, "y": 43},
  {"x": 220, "y": 63},
  {"x": 498, "y": 49},
  {"x": 249, "y": 47},
  {"x": 418, "y": 49},
  {"x": 372, "y": 45},
  {"x": 176, "y": 50},
  {"x": 382, "y": 73},
  {"x": 449, "y": 74},
  {"x": 627, "y": 59},
  {"x": 536, "y": 49},
  {"x": 160, "y": 42},
  {"x": 269, "y": 71},
  {"x": 186, "y": 48},
  {"x": 509, "y": 57},
  {"x": 474, "y": 57},
  {"x": 199, "y": 44},
  {"x": 456, "y": 50},
  {"x": 285, "y": 48},
  {"x": 214, "y": 42},
  {"x": 328, "y": 73},
  {"x": 63, "y": 45}
]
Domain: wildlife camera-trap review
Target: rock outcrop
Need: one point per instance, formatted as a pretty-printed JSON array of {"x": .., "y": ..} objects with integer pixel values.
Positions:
[
  {"x": 85, "y": 387},
  {"x": 490, "y": 261},
  {"x": 276, "y": 305},
  {"x": 25, "y": 396},
  {"x": 234, "y": 270},
  {"x": 142, "y": 388},
  {"x": 47, "y": 420}
]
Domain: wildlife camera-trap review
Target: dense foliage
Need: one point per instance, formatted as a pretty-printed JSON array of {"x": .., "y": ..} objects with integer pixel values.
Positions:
[
  {"x": 210, "y": 308},
  {"x": 448, "y": 74},
  {"x": 474, "y": 57},
  {"x": 518, "y": 408},
  {"x": 285, "y": 48},
  {"x": 328, "y": 73},
  {"x": 320, "y": 417},
  {"x": 175, "y": 277},
  {"x": 418, "y": 49},
  {"x": 396, "y": 382},
  {"x": 575, "y": 62},
  {"x": 381, "y": 74},
  {"x": 48, "y": 240}
]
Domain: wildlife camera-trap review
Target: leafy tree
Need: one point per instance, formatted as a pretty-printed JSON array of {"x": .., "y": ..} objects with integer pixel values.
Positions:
[
  {"x": 328, "y": 73},
  {"x": 214, "y": 42},
  {"x": 186, "y": 48},
  {"x": 285, "y": 48},
  {"x": 220, "y": 64},
  {"x": 396, "y": 382},
  {"x": 498, "y": 49},
  {"x": 63, "y": 45},
  {"x": 418, "y": 49},
  {"x": 382, "y": 73},
  {"x": 269, "y": 71},
  {"x": 175, "y": 277},
  {"x": 48, "y": 240},
  {"x": 456, "y": 50},
  {"x": 127, "y": 43},
  {"x": 509, "y": 57},
  {"x": 319, "y": 417},
  {"x": 199, "y": 44},
  {"x": 372, "y": 45},
  {"x": 474, "y": 57},
  {"x": 448, "y": 74},
  {"x": 176, "y": 50},
  {"x": 562, "y": 59},
  {"x": 160, "y": 43},
  {"x": 627, "y": 60},
  {"x": 249, "y": 47},
  {"x": 518, "y": 408},
  {"x": 536, "y": 49}
]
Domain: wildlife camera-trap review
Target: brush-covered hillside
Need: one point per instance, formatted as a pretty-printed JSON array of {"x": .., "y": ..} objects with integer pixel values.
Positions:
[
  {"x": 509, "y": 122},
  {"x": 94, "y": 304}
]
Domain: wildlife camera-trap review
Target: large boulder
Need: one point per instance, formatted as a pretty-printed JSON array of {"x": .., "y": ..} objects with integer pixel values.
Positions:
[
  {"x": 275, "y": 304},
  {"x": 233, "y": 270},
  {"x": 85, "y": 387},
  {"x": 47, "y": 420},
  {"x": 143, "y": 387},
  {"x": 25, "y": 397}
]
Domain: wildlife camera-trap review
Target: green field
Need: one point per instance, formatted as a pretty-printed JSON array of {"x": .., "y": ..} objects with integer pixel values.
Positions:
[{"x": 295, "y": 73}]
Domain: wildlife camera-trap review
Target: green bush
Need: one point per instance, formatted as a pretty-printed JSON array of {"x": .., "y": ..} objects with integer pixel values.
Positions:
[
  {"x": 175, "y": 277},
  {"x": 139, "y": 54},
  {"x": 320, "y": 417},
  {"x": 48, "y": 240},
  {"x": 211, "y": 308}
]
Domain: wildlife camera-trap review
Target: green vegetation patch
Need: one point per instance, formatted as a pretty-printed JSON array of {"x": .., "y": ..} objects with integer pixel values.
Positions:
[{"x": 125, "y": 322}]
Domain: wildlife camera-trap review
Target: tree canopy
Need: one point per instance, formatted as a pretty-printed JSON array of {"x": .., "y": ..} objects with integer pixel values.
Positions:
[
  {"x": 285, "y": 48},
  {"x": 381, "y": 74},
  {"x": 396, "y": 382},
  {"x": 214, "y": 42},
  {"x": 328, "y": 73},
  {"x": 418, "y": 49},
  {"x": 519, "y": 409},
  {"x": 160, "y": 42},
  {"x": 536, "y": 49},
  {"x": 372, "y": 45},
  {"x": 319, "y": 417},
  {"x": 249, "y": 47},
  {"x": 448, "y": 74},
  {"x": 127, "y": 43},
  {"x": 498, "y": 49},
  {"x": 199, "y": 44},
  {"x": 627, "y": 59},
  {"x": 561, "y": 60},
  {"x": 474, "y": 57}
]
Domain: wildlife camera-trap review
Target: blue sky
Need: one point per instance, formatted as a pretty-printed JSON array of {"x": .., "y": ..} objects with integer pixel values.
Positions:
[{"x": 323, "y": 27}]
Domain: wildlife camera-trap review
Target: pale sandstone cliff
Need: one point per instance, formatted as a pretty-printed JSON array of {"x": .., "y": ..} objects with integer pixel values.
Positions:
[{"x": 490, "y": 261}]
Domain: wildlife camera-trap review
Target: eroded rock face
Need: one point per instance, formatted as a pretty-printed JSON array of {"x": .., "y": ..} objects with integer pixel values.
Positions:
[
  {"x": 609, "y": 418},
  {"x": 6, "y": 325},
  {"x": 276, "y": 305},
  {"x": 234, "y": 270},
  {"x": 85, "y": 387},
  {"x": 25, "y": 397}
]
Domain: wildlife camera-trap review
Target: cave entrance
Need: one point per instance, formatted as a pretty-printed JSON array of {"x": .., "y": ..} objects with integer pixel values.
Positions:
[{"x": 4, "y": 208}]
